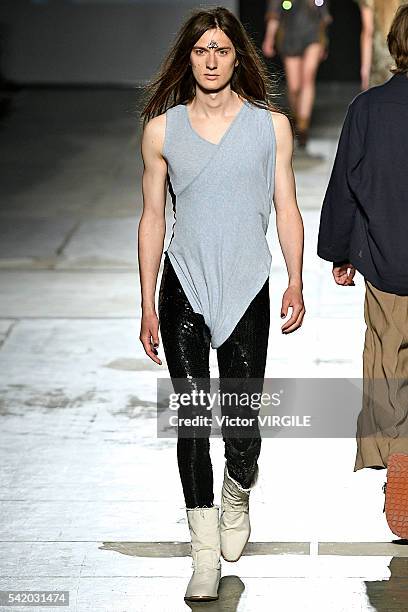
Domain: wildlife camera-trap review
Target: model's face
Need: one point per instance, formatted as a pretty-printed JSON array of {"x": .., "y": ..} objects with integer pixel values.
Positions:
[{"x": 213, "y": 67}]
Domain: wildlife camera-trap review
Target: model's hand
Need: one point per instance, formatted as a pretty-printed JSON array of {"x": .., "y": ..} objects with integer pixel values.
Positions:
[
  {"x": 292, "y": 298},
  {"x": 268, "y": 46},
  {"x": 149, "y": 335},
  {"x": 344, "y": 274}
]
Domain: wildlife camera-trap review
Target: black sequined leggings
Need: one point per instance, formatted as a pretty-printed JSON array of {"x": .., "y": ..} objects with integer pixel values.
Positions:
[{"x": 186, "y": 343}]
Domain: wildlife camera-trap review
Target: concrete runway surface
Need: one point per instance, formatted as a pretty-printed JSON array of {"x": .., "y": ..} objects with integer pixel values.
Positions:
[{"x": 91, "y": 500}]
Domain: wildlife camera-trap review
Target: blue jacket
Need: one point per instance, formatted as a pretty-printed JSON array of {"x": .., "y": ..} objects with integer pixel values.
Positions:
[{"x": 364, "y": 218}]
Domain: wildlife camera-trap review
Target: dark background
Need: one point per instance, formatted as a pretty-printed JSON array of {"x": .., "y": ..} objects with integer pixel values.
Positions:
[
  {"x": 343, "y": 63},
  {"x": 121, "y": 42}
]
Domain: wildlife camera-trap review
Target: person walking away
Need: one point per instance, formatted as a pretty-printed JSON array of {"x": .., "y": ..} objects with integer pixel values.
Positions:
[
  {"x": 298, "y": 31},
  {"x": 363, "y": 226}
]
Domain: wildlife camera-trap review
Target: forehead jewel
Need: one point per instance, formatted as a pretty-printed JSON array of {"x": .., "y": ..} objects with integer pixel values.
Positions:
[{"x": 212, "y": 45}]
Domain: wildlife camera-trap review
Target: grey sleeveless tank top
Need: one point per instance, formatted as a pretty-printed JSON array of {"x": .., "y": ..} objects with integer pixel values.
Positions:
[{"x": 222, "y": 195}]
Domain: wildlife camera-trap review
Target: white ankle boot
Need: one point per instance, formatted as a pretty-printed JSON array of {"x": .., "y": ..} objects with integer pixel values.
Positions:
[
  {"x": 235, "y": 526},
  {"x": 205, "y": 551}
]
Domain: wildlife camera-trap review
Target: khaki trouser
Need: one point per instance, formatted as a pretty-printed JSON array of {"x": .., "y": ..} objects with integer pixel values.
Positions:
[{"x": 382, "y": 425}]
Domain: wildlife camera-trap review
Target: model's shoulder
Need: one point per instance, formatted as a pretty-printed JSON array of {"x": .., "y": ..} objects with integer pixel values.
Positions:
[
  {"x": 281, "y": 123},
  {"x": 175, "y": 110},
  {"x": 278, "y": 118},
  {"x": 153, "y": 136},
  {"x": 155, "y": 126},
  {"x": 158, "y": 123}
]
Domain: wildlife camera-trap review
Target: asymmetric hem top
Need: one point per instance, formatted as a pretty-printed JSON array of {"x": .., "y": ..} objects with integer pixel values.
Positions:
[{"x": 222, "y": 195}]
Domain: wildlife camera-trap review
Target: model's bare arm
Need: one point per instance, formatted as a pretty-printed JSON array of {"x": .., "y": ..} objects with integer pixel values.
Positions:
[
  {"x": 152, "y": 229},
  {"x": 288, "y": 222}
]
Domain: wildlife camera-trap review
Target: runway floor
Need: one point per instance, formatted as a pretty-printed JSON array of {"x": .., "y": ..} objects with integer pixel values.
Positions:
[{"x": 91, "y": 501}]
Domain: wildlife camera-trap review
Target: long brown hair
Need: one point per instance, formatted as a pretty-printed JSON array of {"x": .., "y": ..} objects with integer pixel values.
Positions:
[{"x": 175, "y": 82}]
